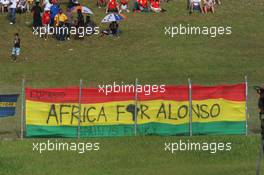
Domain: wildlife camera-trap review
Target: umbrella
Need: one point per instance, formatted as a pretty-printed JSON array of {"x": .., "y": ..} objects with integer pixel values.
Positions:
[
  {"x": 112, "y": 17},
  {"x": 84, "y": 9}
]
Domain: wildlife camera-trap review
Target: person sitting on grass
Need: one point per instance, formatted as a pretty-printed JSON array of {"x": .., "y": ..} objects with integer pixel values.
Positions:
[
  {"x": 16, "y": 48},
  {"x": 4, "y": 5},
  {"x": 21, "y": 6},
  {"x": 114, "y": 28},
  {"x": 155, "y": 6},
  {"x": 124, "y": 6},
  {"x": 112, "y": 6},
  {"x": 196, "y": 5},
  {"x": 90, "y": 23},
  {"x": 208, "y": 6},
  {"x": 141, "y": 6}
]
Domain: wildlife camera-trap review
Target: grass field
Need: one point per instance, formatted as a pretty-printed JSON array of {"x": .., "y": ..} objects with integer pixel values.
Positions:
[{"x": 143, "y": 51}]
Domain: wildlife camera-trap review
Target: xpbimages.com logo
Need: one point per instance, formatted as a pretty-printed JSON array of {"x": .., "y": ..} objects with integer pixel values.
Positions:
[
  {"x": 80, "y": 147},
  {"x": 212, "y": 31},
  {"x": 145, "y": 89},
  {"x": 64, "y": 30}
]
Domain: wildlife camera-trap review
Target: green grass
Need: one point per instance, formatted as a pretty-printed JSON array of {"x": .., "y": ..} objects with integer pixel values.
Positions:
[
  {"x": 132, "y": 156},
  {"x": 143, "y": 51}
]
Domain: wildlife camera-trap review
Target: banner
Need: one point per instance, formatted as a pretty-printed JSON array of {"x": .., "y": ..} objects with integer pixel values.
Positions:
[
  {"x": 8, "y": 105},
  {"x": 215, "y": 110}
]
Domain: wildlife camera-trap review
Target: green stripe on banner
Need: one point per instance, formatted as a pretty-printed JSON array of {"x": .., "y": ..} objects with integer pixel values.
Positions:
[
  {"x": 211, "y": 128},
  {"x": 217, "y": 128}
]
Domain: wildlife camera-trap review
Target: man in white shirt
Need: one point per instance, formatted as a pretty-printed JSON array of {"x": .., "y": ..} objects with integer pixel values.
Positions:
[{"x": 12, "y": 11}]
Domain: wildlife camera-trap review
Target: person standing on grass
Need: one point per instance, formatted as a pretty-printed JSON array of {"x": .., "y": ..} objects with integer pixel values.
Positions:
[
  {"x": 54, "y": 10},
  {"x": 46, "y": 22},
  {"x": 16, "y": 48},
  {"x": 37, "y": 10},
  {"x": 12, "y": 11}
]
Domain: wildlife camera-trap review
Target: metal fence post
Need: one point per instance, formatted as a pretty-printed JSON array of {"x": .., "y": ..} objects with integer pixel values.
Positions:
[
  {"x": 80, "y": 105},
  {"x": 22, "y": 108},
  {"x": 190, "y": 106},
  {"x": 246, "y": 104},
  {"x": 136, "y": 101}
]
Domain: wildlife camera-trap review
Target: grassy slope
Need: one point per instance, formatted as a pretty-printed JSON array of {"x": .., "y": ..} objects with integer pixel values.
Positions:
[
  {"x": 146, "y": 155},
  {"x": 143, "y": 51}
]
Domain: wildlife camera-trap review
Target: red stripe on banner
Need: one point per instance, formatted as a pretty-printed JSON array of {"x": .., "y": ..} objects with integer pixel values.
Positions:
[
  {"x": 229, "y": 92},
  {"x": 175, "y": 93},
  {"x": 53, "y": 95}
]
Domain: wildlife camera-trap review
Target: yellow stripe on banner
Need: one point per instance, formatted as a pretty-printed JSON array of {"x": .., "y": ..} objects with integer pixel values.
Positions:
[
  {"x": 7, "y": 104},
  {"x": 111, "y": 113}
]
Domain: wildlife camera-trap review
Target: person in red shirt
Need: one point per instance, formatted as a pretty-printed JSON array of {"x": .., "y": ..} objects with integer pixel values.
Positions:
[
  {"x": 112, "y": 6},
  {"x": 144, "y": 3},
  {"x": 155, "y": 6},
  {"x": 141, "y": 5},
  {"x": 46, "y": 22}
]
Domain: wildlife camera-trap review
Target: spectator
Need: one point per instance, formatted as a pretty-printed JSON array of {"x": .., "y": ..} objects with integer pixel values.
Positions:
[
  {"x": 47, "y": 5},
  {"x": 141, "y": 5},
  {"x": 208, "y": 6},
  {"x": 80, "y": 24},
  {"x": 29, "y": 4},
  {"x": 196, "y": 5},
  {"x": 155, "y": 6},
  {"x": 4, "y": 5},
  {"x": 80, "y": 18},
  {"x": 112, "y": 6},
  {"x": 16, "y": 48},
  {"x": 90, "y": 23},
  {"x": 124, "y": 6},
  {"x": 60, "y": 19},
  {"x": 114, "y": 28},
  {"x": 46, "y": 22},
  {"x": 60, "y": 22},
  {"x": 54, "y": 10},
  {"x": 36, "y": 15},
  {"x": 69, "y": 22},
  {"x": 21, "y": 6},
  {"x": 12, "y": 11}
]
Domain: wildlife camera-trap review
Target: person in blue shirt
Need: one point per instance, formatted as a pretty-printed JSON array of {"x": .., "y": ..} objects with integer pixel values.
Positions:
[{"x": 54, "y": 10}]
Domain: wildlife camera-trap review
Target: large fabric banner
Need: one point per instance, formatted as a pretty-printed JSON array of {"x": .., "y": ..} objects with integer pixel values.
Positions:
[
  {"x": 8, "y": 105},
  {"x": 215, "y": 110}
]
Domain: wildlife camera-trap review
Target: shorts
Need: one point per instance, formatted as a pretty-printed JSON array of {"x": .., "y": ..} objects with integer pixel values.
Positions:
[
  {"x": 15, "y": 51},
  {"x": 196, "y": 7}
]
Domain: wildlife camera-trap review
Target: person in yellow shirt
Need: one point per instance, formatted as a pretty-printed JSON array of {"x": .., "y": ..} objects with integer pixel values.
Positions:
[{"x": 60, "y": 19}]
